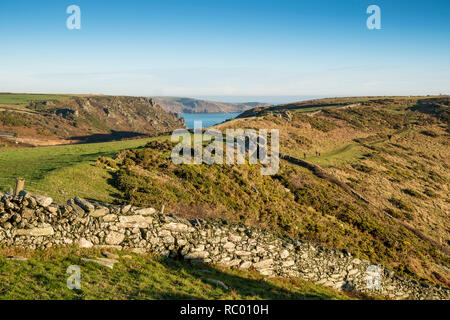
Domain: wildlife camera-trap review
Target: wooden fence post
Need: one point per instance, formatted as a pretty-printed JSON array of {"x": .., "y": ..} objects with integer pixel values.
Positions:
[{"x": 20, "y": 185}]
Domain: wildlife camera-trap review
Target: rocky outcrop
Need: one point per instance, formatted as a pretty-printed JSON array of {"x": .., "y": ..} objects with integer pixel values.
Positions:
[
  {"x": 92, "y": 119},
  {"x": 36, "y": 222}
]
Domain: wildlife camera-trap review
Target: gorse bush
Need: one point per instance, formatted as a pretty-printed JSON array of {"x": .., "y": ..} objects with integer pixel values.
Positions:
[
  {"x": 400, "y": 204},
  {"x": 429, "y": 133},
  {"x": 412, "y": 193},
  {"x": 12, "y": 120},
  {"x": 107, "y": 162},
  {"x": 149, "y": 178}
]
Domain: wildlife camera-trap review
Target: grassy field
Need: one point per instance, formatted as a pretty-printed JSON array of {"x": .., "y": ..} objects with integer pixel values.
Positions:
[
  {"x": 348, "y": 153},
  {"x": 24, "y": 99},
  {"x": 139, "y": 277},
  {"x": 64, "y": 171}
]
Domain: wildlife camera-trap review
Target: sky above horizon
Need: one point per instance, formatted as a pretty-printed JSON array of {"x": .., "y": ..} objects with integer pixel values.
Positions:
[{"x": 207, "y": 48}]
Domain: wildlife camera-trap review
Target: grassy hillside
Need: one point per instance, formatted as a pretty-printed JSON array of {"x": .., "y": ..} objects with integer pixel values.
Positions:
[
  {"x": 63, "y": 172},
  {"x": 43, "y": 276},
  {"x": 394, "y": 151},
  {"x": 293, "y": 202},
  {"x": 330, "y": 103}
]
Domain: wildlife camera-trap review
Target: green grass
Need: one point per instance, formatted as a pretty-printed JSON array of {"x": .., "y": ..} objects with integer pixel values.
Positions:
[
  {"x": 24, "y": 99},
  {"x": 85, "y": 179},
  {"x": 141, "y": 277},
  {"x": 346, "y": 154},
  {"x": 63, "y": 171}
]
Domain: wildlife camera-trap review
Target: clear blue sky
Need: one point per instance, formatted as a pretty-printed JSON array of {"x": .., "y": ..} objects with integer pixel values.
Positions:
[{"x": 226, "y": 48}]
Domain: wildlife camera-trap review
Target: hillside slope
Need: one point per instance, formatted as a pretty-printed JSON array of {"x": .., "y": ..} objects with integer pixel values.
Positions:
[
  {"x": 41, "y": 119},
  {"x": 393, "y": 151},
  {"x": 189, "y": 105}
]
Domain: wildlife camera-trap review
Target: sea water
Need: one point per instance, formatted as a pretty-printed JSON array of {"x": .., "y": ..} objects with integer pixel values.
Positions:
[{"x": 207, "y": 119}]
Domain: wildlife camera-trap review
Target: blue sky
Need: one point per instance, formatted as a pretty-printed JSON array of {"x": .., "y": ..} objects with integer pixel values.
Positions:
[{"x": 208, "y": 48}]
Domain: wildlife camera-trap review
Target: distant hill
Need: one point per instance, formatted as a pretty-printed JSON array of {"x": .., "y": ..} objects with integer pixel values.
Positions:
[
  {"x": 189, "y": 105},
  {"x": 315, "y": 105},
  {"x": 38, "y": 119}
]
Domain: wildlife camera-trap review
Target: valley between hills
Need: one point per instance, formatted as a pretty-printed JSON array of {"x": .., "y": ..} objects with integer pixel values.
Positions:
[{"x": 373, "y": 180}]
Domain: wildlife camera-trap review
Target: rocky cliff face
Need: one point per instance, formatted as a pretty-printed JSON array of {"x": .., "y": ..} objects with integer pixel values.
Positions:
[
  {"x": 140, "y": 115},
  {"x": 188, "y": 105},
  {"x": 93, "y": 118},
  {"x": 36, "y": 222}
]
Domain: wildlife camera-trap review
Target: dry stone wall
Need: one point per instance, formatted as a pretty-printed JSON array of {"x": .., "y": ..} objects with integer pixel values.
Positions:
[{"x": 36, "y": 222}]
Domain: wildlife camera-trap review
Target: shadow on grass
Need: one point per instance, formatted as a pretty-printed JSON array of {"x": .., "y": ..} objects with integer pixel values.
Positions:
[
  {"x": 231, "y": 284},
  {"x": 108, "y": 137},
  {"x": 435, "y": 107}
]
